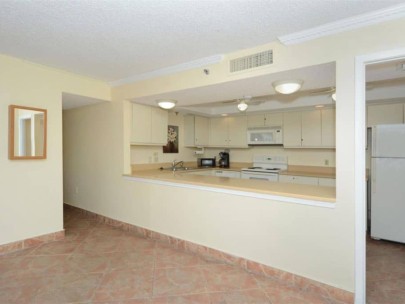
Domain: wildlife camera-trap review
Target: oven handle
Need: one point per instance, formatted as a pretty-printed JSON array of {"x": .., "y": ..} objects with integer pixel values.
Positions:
[{"x": 262, "y": 178}]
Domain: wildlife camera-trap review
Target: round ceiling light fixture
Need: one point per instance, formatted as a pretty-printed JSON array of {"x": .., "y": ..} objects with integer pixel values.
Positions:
[
  {"x": 287, "y": 86},
  {"x": 166, "y": 104},
  {"x": 242, "y": 106}
]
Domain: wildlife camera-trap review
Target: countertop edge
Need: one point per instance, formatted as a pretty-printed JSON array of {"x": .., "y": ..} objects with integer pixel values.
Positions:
[{"x": 271, "y": 195}]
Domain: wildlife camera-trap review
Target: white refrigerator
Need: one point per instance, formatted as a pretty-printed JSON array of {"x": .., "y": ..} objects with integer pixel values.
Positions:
[{"x": 388, "y": 183}]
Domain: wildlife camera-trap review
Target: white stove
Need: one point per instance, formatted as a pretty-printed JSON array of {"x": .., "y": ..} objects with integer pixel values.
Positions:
[{"x": 265, "y": 167}]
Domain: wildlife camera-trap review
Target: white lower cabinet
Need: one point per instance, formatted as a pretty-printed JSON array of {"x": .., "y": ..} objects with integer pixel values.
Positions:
[
  {"x": 221, "y": 173},
  {"x": 295, "y": 179},
  {"x": 202, "y": 172},
  {"x": 328, "y": 182},
  {"x": 307, "y": 180},
  {"x": 227, "y": 173}
]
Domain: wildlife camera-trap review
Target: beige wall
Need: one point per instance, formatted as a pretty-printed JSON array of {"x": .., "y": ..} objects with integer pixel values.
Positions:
[
  {"x": 31, "y": 191},
  {"x": 311, "y": 241}
]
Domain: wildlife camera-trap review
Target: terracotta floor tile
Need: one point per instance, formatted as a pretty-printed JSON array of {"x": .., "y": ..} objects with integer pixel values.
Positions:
[
  {"x": 105, "y": 232},
  {"x": 70, "y": 288},
  {"x": 54, "y": 248},
  {"x": 125, "y": 285},
  {"x": 185, "y": 299},
  {"x": 89, "y": 262},
  {"x": 80, "y": 224},
  {"x": 128, "y": 260},
  {"x": 227, "y": 278},
  {"x": 252, "y": 296},
  {"x": 178, "y": 281},
  {"x": 167, "y": 257},
  {"x": 98, "y": 245},
  {"x": 134, "y": 243},
  {"x": 385, "y": 272}
]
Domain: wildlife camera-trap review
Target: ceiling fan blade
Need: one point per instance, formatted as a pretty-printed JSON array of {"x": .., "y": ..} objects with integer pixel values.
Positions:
[{"x": 323, "y": 91}]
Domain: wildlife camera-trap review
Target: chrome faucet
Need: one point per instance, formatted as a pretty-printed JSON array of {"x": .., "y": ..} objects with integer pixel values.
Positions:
[{"x": 176, "y": 164}]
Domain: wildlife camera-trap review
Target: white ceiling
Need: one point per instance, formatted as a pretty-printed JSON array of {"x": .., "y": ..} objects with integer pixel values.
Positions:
[{"x": 118, "y": 39}]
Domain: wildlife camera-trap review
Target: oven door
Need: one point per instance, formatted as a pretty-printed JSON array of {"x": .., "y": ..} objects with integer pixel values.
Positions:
[{"x": 273, "y": 177}]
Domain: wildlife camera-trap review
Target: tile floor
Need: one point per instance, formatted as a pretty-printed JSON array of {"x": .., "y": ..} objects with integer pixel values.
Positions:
[
  {"x": 385, "y": 272},
  {"x": 99, "y": 264}
]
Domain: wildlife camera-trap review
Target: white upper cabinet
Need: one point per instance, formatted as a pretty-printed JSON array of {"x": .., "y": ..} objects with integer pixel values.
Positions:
[
  {"x": 237, "y": 127},
  {"x": 273, "y": 119},
  {"x": 149, "y": 125},
  {"x": 254, "y": 121},
  {"x": 265, "y": 120},
  {"x": 385, "y": 114},
  {"x": 309, "y": 129},
  {"x": 196, "y": 131},
  {"x": 292, "y": 130},
  {"x": 228, "y": 132},
  {"x": 218, "y": 132},
  {"x": 328, "y": 128}
]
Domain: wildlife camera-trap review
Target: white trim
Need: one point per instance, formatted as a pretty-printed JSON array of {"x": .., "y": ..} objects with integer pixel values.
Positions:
[
  {"x": 360, "y": 160},
  {"x": 235, "y": 192},
  {"x": 170, "y": 70},
  {"x": 347, "y": 24}
]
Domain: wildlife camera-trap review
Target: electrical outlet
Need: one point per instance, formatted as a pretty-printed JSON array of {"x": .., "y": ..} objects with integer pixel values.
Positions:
[{"x": 326, "y": 162}]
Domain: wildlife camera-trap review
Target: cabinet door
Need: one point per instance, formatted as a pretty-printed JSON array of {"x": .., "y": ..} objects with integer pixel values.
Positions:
[
  {"x": 201, "y": 127},
  {"x": 255, "y": 121},
  {"x": 328, "y": 128},
  {"x": 328, "y": 182},
  {"x": 159, "y": 124},
  {"x": 273, "y": 119},
  {"x": 189, "y": 131},
  {"x": 237, "y": 127},
  {"x": 385, "y": 114},
  {"x": 292, "y": 129},
  {"x": 218, "y": 132},
  {"x": 294, "y": 179},
  {"x": 141, "y": 124},
  {"x": 311, "y": 128},
  {"x": 227, "y": 173}
]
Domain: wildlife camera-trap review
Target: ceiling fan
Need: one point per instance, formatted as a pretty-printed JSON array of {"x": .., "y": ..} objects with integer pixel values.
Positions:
[{"x": 244, "y": 103}]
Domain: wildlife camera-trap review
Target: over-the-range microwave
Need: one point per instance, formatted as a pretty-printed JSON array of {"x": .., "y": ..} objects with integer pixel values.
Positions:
[{"x": 265, "y": 136}]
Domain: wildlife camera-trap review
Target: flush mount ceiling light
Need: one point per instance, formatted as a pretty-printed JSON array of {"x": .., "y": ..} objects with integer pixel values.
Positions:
[
  {"x": 166, "y": 104},
  {"x": 287, "y": 86},
  {"x": 242, "y": 106}
]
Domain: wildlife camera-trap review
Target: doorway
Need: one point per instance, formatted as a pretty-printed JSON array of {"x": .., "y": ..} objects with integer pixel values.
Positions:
[{"x": 360, "y": 162}]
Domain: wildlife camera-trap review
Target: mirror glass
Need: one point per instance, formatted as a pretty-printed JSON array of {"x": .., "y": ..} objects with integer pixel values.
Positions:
[{"x": 27, "y": 133}]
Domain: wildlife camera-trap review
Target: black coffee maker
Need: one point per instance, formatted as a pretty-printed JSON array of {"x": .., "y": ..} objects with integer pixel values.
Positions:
[{"x": 223, "y": 160}]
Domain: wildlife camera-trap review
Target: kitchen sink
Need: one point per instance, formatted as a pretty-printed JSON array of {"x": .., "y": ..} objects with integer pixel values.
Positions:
[{"x": 177, "y": 168}]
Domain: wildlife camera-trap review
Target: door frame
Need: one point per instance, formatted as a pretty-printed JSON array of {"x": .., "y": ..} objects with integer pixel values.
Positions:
[{"x": 360, "y": 163}]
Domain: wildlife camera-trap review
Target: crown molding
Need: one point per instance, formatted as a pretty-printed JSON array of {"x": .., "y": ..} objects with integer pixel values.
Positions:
[
  {"x": 347, "y": 24},
  {"x": 169, "y": 70}
]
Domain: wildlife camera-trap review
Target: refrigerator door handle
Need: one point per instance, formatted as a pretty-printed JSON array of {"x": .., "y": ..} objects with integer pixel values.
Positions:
[
  {"x": 373, "y": 175},
  {"x": 373, "y": 141}
]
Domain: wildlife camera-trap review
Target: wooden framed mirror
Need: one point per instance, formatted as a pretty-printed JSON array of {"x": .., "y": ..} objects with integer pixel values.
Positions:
[{"x": 27, "y": 132}]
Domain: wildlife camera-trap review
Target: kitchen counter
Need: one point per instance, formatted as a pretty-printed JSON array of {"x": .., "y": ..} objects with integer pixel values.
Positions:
[
  {"x": 254, "y": 187},
  {"x": 310, "y": 171}
]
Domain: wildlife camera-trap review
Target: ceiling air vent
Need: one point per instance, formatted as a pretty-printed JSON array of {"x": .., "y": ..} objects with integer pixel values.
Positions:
[{"x": 251, "y": 61}]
